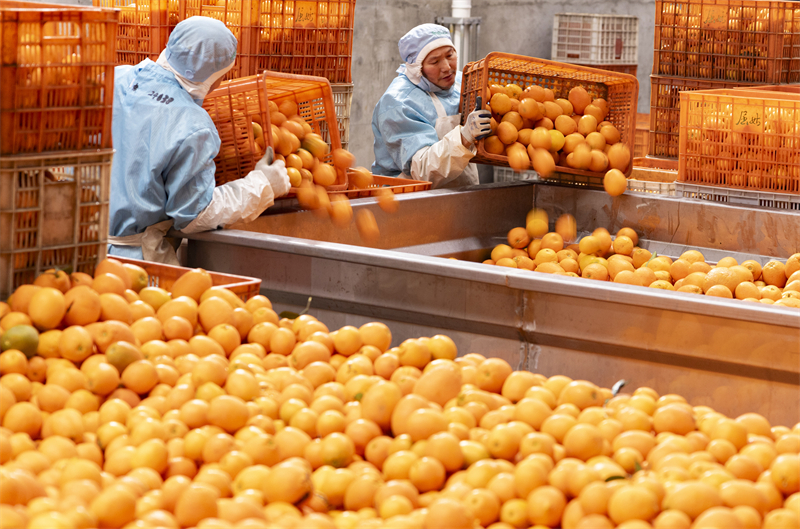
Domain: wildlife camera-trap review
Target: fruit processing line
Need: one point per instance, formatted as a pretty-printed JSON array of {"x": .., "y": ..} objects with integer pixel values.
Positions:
[{"x": 728, "y": 354}]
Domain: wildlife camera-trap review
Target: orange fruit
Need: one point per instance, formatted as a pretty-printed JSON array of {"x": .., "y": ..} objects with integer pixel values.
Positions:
[
  {"x": 108, "y": 283},
  {"x": 47, "y": 308},
  {"x": 23, "y": 417},
  {"x": 57, "y": 279},
  {"x": 545, "y": 506},
  {"x": 376, "y": 334},
  {"x": 422, "y": 423},
  {"x": 781, "y": 519},
  {"x": 518, "y": 238},
  {"x": 21, "y": 298},
  {"x": 692, "y": 497},
  {"x": 614, "y": 181},
  {"x": 183, "y": 306},
  {"x": 492, "y": 374},
  {"x": 785, "y": 473},
  {"x": 177, "y": 328},
  {"x": 75, "y": 344},
  {"x": 774, "y": 274},
  {"x": 440, "y": 384},
  {"x": 147, "y": 329},
  {"x": 414, "y": 353},
  {"x": 13, "y": 361},
  {"x": 140, "y": 376},
  {"x": 447, "y": 513},
  {"x": 114, "y": 507},
  {"x": 288, "y": 483},
  {"x": 583, "y": 441},
  {"x": 214, "y": 311},
  {"x": 673, "y": 418}
]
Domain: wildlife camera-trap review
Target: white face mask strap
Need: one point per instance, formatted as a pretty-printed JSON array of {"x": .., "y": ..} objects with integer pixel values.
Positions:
[{"x": 196, "y": 90}]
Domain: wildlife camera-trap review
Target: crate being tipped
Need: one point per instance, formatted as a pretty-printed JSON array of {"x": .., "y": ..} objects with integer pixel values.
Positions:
[
  {"x": 728, "y": 40},
  {"x": 293, "y": 114},
  {"x": 748, "y": 139},
  {"x": 610, "y": 99}
]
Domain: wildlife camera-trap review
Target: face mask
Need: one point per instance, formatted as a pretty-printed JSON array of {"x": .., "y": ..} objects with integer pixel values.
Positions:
[{"x": 198, "y": 91}]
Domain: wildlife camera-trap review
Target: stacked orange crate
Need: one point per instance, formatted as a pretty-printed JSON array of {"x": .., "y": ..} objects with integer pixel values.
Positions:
[
  {"x": 304, "y": 37},
  {"x": 57, "y": 78},
  {"x": 716, "y": 44},
  {"x": 641, "y": 139},
  {"x": 143, "y": 27},
  {"x": 745, "y": 139}
]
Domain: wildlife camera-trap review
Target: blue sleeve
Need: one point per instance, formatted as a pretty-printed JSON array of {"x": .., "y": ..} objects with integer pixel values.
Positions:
[
  {"x": 405, "y": 131},
  {"x": 189, "y": 179}
]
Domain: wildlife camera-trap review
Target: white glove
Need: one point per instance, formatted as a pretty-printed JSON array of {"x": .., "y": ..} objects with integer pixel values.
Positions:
[
  {"x": 275, "y": 172},
  {"x": 241, "y": 200},
  {"x": 478, "y": 125}
]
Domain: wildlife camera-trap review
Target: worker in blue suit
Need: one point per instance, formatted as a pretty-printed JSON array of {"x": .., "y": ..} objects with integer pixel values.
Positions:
[
  {"x": 416, "y": 122},
  {"x": 162, "y": 175}
]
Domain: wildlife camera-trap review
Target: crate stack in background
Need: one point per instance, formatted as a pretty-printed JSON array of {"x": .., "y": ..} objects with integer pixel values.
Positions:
[
  {"x": 608, "y": 42},
  {"x": 741, "y": 146},
  {"x": 57, "y": 78},
  {"x": 711, "y": 46},
  {"x": 311, "y": 37}
]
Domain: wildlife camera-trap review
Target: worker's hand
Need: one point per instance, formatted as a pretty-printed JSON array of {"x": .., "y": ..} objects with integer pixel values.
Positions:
[
  {"x": 275, "y": 172},
  {"x": 477, "y": 126}
]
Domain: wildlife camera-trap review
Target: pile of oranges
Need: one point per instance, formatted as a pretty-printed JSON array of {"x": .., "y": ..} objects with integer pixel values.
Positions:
[
  {"x": 619, "y": 259},
  {"x": 130, "y": 406}
]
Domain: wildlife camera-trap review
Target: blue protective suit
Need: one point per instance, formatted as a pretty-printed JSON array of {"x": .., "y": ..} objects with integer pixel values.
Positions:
[
  {"x": 403, "y": 122},
  {"x": 165, "y": 147}
]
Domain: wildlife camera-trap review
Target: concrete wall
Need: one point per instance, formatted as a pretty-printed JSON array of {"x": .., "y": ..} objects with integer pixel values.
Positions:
[{"x": 515, "y": 26}]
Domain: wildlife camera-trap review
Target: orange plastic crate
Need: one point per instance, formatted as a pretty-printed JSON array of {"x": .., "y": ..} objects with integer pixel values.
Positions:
[
  {"x": 642, "y": 135},
  {"x": 792, "y": 89},
  {"x": 728, "y": 40},
  {"x": 620, "y": 90},
  {"x": 245, "y": 99},
  {"x": 56, "y": 77},
  {"x": 311, "y": 37},
  {"x": 164, "y": 276},
  {"x": 744, "y": 139},
  {"x": 629, "y": 69},
  {"x": 144, "y": 27},
  {"x": 314, "y": 98},
  {"x": 397, "y": 185},
  {"x": 233, "y": 107},
  {"x": 53, "y": 214},
  {"x": 665, "y": 108},
  {"x": 238, "y": 17}
]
